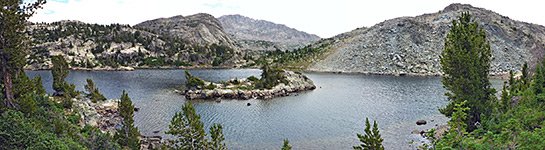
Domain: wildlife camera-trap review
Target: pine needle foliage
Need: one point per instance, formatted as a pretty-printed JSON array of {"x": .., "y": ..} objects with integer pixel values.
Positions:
[
  {"x": 189, "y": 129},
  {"x": 127, "y": 136},
  {"x": 465, "y": 61},
  {"x": 372, "y": 139}
]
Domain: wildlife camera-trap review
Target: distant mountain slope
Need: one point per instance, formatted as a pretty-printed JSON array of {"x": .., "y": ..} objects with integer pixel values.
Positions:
[
  {"x": 201, "y": 29},
  {"x": 248, "y": 29},
  {"x": 93, "y": 46},
  {"x": 412, "y": 45}
]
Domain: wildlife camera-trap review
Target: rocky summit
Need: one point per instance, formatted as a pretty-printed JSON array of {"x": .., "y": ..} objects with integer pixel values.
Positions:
[
  {"x": 413, "y": 45},
  {"x": 201, "y": 29},
  {"x": 255, "y": 34}
]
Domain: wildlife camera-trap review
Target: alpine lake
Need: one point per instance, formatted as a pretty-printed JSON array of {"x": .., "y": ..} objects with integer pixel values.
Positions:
[{"x": 328, "y": 117}]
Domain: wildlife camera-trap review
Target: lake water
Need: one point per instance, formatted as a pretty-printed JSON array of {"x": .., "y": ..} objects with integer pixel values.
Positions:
[{"x": 326, "y": 118}]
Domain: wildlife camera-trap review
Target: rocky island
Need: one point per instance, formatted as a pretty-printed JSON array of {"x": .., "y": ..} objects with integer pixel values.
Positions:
[{"x": 274, "y": 82}]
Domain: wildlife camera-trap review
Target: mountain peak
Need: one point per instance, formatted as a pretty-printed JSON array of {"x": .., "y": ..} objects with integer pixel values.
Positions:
[
  {"x": 457, "y": 6},
  {"x": 246, "y": 28},
  {"x": 412, "y": 45}
]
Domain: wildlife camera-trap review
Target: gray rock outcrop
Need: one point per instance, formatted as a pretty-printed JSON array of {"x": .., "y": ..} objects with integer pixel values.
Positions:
[
  {"x": 200, "y": 29},
  {"x": 412, "y": 45},
  {"x": 104, "y": 114}
]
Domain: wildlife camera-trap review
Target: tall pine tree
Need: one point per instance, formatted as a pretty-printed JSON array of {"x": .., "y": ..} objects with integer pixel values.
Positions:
[
  {"x": 13, "y": 43},
  {"x": 127, "y": 136},
  {"x": 465, "y": 62},
  {"x": 59, "y": 71}
]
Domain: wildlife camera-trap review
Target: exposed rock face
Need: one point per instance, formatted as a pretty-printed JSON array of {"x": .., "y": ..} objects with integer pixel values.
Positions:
[
  {"x": 296, "y": 83},
  {"x": 412, "y": 45},
  {"x": 171, "y": 43},
  {"x": 201, "y": 29},
  {"x": 103, "y": 114},
  {"x": 151, "y": 142},
  {"x": 245, "y": 28}
]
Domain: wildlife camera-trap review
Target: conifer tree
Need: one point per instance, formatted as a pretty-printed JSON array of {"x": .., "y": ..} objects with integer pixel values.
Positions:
[
  {"x": 286, "y": 145},
  {"x": 127, "y": 136},
  {"x": 372, "y": 139},
  {"x": 13, "y": 42},
  {"x": 465, "y": 61},
  {"x": 189, "y": 129},
  {"x": 59, "y": 72},
  {"x": 216, "y": 135},
  {"x": 94, "y": 94}
]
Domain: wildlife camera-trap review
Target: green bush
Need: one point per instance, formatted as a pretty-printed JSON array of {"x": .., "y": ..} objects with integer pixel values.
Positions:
[
  {"x": 253, "y": 78},
  {"x": 235, "y": 81},
  {"x": 210, "y": 86}
]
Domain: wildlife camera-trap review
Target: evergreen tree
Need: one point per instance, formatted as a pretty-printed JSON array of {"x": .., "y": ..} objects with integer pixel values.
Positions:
[
  {"x": 189, "y": 129},
  {"x": 286, "y": 145},
  {"x": 192, "y": 82},
  {"x": 13, "y": 42},
  {"x": 372, "y": 139},
  {"x": 127, "y": 136},
  {"x": 59, "y": 72},
  {"x": 94, "y": 94},
  {"x": 465, "y": 61},
  {"x": 38, "y": 84},
  {"x": 216, "y": 134},
  {"x": 455, "y": 137}
]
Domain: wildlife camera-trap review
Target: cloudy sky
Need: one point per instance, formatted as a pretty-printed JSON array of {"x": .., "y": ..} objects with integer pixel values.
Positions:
[{"x": 324, "y": 18}]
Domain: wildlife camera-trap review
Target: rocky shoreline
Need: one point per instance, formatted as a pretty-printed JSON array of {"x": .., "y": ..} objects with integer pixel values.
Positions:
[
  {"x": 105, "y": 116},
  {"x": 502, "y": 76},
  {"x": 296, "y": 82}
]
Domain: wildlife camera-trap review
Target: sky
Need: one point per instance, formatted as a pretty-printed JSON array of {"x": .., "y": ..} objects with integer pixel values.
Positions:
[{"x": 323, "y": 18}]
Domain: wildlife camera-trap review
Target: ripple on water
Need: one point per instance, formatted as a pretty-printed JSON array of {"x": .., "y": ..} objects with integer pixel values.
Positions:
[{"x": 326, "y": 118}]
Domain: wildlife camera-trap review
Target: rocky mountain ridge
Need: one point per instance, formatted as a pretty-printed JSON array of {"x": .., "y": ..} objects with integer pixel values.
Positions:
[
  {"x": 412, "y": 45},
  {"x": 248, "y": 29},
  {"x": 201, "y": 29},
  {"x": 115, "y": 46}
]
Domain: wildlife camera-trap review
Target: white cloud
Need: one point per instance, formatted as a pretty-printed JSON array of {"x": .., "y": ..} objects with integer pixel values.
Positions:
[{"x": 324, "y": 18}]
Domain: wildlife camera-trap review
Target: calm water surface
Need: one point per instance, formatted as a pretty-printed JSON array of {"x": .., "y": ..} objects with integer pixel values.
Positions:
[{"x": 326, "y": 118}]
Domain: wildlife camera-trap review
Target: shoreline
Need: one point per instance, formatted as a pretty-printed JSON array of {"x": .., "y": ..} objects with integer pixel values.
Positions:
[{"x": 501, "y": 76}]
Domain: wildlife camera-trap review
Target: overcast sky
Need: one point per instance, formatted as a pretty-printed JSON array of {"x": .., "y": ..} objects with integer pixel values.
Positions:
[{"x": 323, "y": 18}]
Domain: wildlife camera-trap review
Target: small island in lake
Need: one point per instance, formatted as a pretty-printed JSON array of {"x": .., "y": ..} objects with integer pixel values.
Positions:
[{"x": 274, "y": 82}]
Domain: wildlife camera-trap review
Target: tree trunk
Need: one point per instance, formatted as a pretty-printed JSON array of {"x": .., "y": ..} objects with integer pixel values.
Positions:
[{"x": 8, "y": 85}]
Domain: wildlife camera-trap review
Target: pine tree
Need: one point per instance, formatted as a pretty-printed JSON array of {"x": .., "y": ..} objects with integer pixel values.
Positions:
[
  {"x": 286, "y": 145},
  {"x": 38, "y": 84},
  {"x": 216, "y": 135},
  {"x": 94, "y": 94},
  {"x": 465, "y": 61},
  {"x": 59, "y": 72},
  {"x": 13, "y": 42},
  {"x": 192, "y": 82},
  {"x": 372, "y": 139},
  {"x": 127, "y": 136},
  {"x": 189, "y": 129}
]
